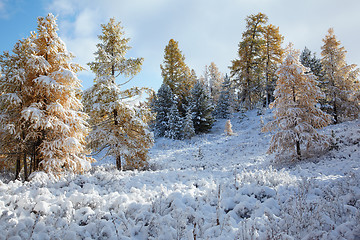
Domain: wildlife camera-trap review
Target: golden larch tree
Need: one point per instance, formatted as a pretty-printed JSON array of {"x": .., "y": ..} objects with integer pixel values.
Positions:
[
  {"x": 118, "y": 125},
  {"x": 273, "y": 53},
  {"x": 48, "y": 123},
  {"x": 17, "y": 93},
  {"x": 56, "y": 124},
  {"x": 296, "y": 113},
  {"x": 228, "y": 128},
  {"x": 13, "y": 89},
  {"x": 176, "y": 74},
  {"x": 340, "y": 81},
  {"x": 248, "y": 68}
]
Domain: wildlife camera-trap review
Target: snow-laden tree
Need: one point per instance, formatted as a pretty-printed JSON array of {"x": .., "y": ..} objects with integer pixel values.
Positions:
[
  {"x": 201, "y": 107},
  {"x": 174, "y": 124},
  {"x": 118, "y": 125},
  {"x": 309, "y": 60},
  {"x": 228, "y": 128},
  {"x": 13, "y": 93},
  {"x": 188, "y": 128},
  {"x": 223, "y": 108},
  {"x": 45, "y": 98},
  {"x": 296, "y": 114},
  {"x": 164, "y": 100},
  {"x": 341, "y": 83}
]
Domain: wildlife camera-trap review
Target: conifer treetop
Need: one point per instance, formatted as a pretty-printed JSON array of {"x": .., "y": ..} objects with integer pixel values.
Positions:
[
  {"x": 110, "y": 57},
  {"x": 176, "y": 74}
]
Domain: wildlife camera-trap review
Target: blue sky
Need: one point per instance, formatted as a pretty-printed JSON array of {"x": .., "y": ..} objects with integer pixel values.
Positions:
[{"x": 207, "y": 30}]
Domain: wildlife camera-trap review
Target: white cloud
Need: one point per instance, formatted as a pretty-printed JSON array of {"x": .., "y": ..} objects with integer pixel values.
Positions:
[
  {"x": 206, "y": 30},
  {"x": 4, "y": 13}
]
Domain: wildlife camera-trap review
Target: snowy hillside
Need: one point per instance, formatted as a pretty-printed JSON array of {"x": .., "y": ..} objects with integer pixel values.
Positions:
[{"x": 210, "y": 187}]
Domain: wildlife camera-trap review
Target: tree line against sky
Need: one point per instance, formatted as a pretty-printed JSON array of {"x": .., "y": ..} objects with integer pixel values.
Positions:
[{"x": 48, "y": 123}]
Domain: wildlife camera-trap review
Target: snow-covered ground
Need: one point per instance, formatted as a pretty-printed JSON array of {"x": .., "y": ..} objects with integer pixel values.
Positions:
[{"x": 210, "y": 187}]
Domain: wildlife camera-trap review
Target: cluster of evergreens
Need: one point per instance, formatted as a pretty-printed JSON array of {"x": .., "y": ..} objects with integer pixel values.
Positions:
[{"x": 186, "y": 105}]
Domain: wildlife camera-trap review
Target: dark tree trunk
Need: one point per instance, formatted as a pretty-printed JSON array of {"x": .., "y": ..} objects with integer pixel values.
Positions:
[
  {"x": 18, "y": 165},
  {"x": 118, "y": 162},
  {"x": 298, "y": 150},
  {"x": 25, "y": 168},
  {"x": 335, "y": 113}
]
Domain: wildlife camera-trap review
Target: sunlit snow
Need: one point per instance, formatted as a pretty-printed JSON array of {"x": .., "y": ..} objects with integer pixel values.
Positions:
[{"x": 210, "y": 187}]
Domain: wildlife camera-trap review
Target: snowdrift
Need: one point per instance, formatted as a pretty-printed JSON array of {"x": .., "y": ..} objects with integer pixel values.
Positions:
[{"x": 210, "y": 187}]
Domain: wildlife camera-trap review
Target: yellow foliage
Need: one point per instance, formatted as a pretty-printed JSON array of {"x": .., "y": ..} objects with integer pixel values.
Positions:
[
  {"x": 176, "y": 74},
  {"x": 45, "y": 123},
  {"x": 117, "y": 124},
  {"x": 341, "y": 85},
  {"x": 296, "y": 115}
]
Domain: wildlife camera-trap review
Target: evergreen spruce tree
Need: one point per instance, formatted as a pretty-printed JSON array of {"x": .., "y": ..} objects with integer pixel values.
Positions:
[
  {"x": 296, "y": 113},
  {"x": 188, "y": 128},
  {"x": 341, "y": 84},
  {"x": 223, "y": 108},
  {"x": 174, "y": 124},
  {"x": 201, "y": 108},
  {"x": 116, "y": 123},
  {"x": 309, "y": 60},
  {"x": 161, "y": 107},
  {"x": 50, "y": 127}
]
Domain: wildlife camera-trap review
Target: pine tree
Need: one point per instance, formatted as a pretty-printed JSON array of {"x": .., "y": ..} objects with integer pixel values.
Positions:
[
  {"x": 223, "y": 108},
  {"x": 201, "y": 108},
  {"x": 116, "y": 123},
  {"x": 164, "y": 101},
  {"x": 50, "y": 126},
  {"x": 309, "y": 60},
  {"x": 188, "y": 128},
  {"x": 341, "y": 84},
  {"x": 176, "y": 74},
  {"x": 249, "y": 67},
  {"x": 174, "y": 124},
  {"x": 296, "y": 113},
  {"x": 273, "y": 54}
]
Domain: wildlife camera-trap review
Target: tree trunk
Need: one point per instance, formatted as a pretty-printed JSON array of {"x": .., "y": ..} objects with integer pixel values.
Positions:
[
  {"x": 18, "y": 165},
  {"x": 118, "y": 158},
  {"x": 298, "y": 150},
  {"x": 118, "y": 162},
  {"x": 25, "y": 168},
  {"x": 31, "y": 164},
  {"x": 335, "y": 112}
]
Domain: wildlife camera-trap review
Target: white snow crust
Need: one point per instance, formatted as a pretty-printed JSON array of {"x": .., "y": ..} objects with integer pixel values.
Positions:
[{"x": 210, "y": 187}]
